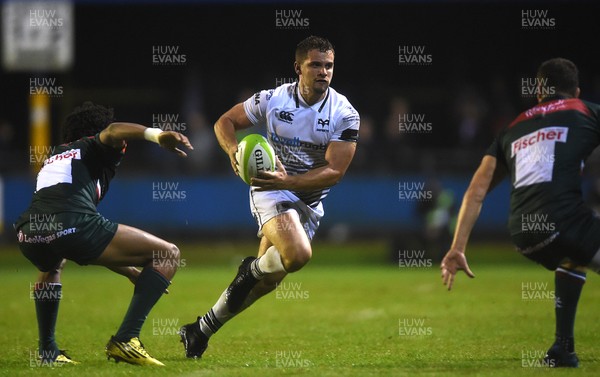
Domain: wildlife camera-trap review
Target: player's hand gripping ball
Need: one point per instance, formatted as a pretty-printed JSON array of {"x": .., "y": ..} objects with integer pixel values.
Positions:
[{"x": 254, "y": 155}]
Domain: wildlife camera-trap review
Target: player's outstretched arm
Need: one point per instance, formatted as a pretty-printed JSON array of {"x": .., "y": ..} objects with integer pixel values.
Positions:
[
  {"x": 233, "y": 120},
  {"x": 484, "y": 179},
  {"x": 116, "y": 134},
  {"x": 338, "y": 156}
]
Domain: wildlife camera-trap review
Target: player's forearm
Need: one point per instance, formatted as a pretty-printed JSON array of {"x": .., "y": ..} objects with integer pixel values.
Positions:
[
  {"x": 467, "y": 216},
  {"x": 472, "y": 202},
  {"x": 225, "y": 133},
  {"x": 316, "y": 179},
  {"x": 116, "y": 133},
  {"x": 233, "y": 120},
  {"x": 338, "y": 157}
]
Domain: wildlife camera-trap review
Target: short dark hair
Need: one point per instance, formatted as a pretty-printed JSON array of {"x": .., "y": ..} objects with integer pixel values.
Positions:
[
  {"x": 312, "y": 43},
  {"x": 86, "y": 120},
  {"x": 561, "y": 74}
]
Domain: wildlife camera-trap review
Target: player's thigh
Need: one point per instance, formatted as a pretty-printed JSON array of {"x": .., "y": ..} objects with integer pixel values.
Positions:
[
  {"x": 43, "y": 258},
  {"x": 286, "y": 233},
  {"x": 134, "y": 247}
]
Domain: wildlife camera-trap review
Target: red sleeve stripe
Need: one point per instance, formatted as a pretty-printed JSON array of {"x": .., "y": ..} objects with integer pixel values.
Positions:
[{"x": 552, "y": 107}]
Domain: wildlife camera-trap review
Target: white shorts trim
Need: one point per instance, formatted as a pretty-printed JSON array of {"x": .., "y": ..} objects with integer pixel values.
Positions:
[{"x": 267, "y": 204}]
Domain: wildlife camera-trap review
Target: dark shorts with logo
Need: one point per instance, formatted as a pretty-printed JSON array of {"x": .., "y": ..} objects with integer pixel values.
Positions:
[
  {"x": 578, "y": 242},
  {"x": 80, "y": 237}
]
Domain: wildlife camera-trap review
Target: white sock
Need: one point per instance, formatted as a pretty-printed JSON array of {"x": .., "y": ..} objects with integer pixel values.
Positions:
[
  {"x": 215, "y": 317},
  {"x": 218, "y": 315},
  {"x": 269, "y": 263}
]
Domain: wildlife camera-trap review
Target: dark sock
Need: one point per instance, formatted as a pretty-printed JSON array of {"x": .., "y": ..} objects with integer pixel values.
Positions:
[
  {"x": 47, "y": 299},
  {"x": 150, "y": 285},
  {"x": 568, "y": 286}
]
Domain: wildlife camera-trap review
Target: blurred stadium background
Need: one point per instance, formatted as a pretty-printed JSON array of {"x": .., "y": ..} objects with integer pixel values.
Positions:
[
  {"x": 180, "y": 64},
  {"x": 434, "y": 81}
]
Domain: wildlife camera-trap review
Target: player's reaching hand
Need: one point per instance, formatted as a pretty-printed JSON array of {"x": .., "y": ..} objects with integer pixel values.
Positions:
[
  {"x": 454, "y": 261},
  {"x": 171, "y": 139},
  {"x": 271, "y": 180}
]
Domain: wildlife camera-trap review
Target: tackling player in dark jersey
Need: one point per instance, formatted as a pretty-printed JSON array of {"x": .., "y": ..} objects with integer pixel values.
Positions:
[
  {"x": 62, "y": 223},
  {"x": 542, "y": 151}
]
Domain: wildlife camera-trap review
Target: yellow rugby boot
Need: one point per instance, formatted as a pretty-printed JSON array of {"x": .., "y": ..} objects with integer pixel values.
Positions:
[{"x": 132, "y": 352}]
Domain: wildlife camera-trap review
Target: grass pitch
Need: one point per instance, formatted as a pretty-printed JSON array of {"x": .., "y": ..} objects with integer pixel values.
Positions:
[{"x": 346, "y": 314}]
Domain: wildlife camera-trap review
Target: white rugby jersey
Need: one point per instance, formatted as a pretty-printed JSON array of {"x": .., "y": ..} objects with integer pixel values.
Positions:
[{"x": 300, "y": 133}]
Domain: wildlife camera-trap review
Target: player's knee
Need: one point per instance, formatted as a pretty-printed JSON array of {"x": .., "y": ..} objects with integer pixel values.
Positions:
[
  {"x": 174, "y": 254},
  {"x": 295, "y": 260},
  {"x": 53, "y": 275},
  {"x": 168, "y": 257}
]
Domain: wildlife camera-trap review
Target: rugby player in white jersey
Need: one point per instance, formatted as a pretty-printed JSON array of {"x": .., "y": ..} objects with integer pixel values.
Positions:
[{"x": 314, "y": 131}]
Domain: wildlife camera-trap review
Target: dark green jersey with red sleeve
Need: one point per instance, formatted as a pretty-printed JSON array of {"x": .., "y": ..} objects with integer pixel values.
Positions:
[
  {"x": 74, "y": 178},
  {"x": 544, "y": 150}
]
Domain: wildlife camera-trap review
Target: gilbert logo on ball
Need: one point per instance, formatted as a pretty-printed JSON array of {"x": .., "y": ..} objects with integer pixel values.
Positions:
[{"x": 254, "y": 155}]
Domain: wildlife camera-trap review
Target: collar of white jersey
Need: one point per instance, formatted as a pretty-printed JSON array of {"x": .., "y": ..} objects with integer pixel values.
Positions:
[{"x": 317, "y": 106}]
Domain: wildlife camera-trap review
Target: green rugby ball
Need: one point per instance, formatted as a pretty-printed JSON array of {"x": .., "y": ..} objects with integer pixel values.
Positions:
[{"x": 254, "y": 155}]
